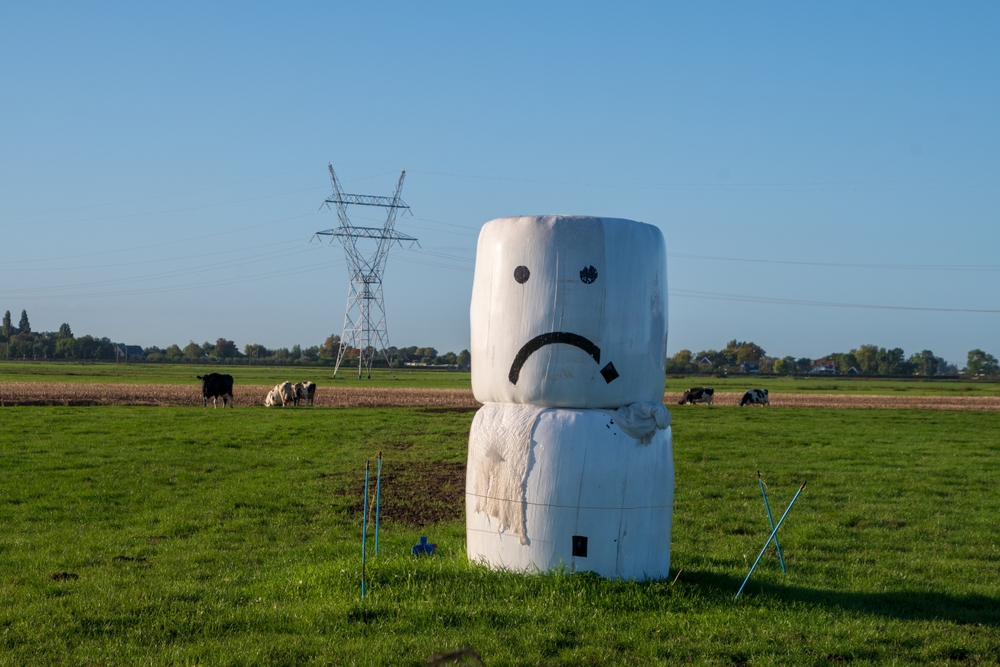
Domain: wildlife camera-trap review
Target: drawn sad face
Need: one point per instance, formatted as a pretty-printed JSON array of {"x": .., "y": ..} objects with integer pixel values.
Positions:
[{"x": 569, "y": 312}]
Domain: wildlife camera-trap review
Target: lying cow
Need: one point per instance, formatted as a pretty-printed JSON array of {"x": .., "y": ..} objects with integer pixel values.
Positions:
[
  {"x": 698, "y": 395},
  {"x": 215, "y": 386},
  {"x": 282, "y": 394},
  {"x": 755, "y": 397},
  {"x": 305, "y": 391}
]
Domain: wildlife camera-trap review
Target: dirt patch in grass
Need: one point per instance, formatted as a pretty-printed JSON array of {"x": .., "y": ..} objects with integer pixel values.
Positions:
[
  {"x": 420, "y": 493},
  {"x": 414, "y": 493},
  {"x": 73, "y": 394},
  {"x": 432, "y": 400},
  {"x": 65, "y": 576}
]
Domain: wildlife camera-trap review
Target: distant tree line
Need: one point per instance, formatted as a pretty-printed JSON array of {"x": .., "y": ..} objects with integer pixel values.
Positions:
[
  {"x": 224, "y": 350},
  {"x": 20, "y": 342},
  {"x": 869, "y": 360}
]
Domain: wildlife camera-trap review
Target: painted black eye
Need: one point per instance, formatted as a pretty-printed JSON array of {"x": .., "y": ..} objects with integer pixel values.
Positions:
[
  {"x": 588, "y": 274},
  {"x": 521, "y": 274}
]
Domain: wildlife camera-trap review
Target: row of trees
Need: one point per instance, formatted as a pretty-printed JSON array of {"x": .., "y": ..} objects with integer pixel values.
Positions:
[
  {"x": 20, "y": 342},
  {"x": 863, "y": 360},
  {"x": 255, "y": 353}
]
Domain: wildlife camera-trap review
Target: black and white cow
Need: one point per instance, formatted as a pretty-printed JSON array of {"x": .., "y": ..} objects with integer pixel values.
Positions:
[
  {"x": 755, "y": 397},
  {"x": 216, "y": 385},
  {"x": 305, "y": 391},
  {"x": 283, "y": 394},
  {"x": 698, "y": 395}
]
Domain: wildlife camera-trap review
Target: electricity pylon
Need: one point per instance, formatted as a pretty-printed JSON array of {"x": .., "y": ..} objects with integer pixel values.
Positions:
[{"x": 364, "y": 319}]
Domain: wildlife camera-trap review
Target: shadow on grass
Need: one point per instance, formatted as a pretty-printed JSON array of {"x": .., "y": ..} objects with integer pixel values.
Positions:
[{"x": 906, "y": 605}]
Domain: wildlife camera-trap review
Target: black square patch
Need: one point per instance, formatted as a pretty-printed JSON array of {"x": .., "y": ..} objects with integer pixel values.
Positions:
[
  {"x": 610, "y": 373},
  {"x": 580, "y": 546}
]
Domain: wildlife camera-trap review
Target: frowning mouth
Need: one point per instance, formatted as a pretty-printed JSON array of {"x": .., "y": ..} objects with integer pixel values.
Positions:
[{"x": 538, "y": 342}]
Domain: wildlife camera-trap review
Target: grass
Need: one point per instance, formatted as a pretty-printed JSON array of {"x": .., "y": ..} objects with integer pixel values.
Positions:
[
  {"x": 233, "y": 538},
  {"x": 84, "y": 373},
  {"x": 47, "y": 371},
  {"x": 841, "y": 385}
]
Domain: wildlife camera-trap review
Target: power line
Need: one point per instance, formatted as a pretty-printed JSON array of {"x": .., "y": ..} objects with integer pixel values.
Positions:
[
  {"x": 832, "y": 186},
  {"x": 254, "y": 259},
  {"x": 198, "y": 285},
  {"x": 410, "y": 260},
  {"x": 161, "y": 244},
  {"x": 851, "y": 265},
  {"x": 176, "y": 194},
  {"x": 139, "y": 215},
  {"x": 50, "y": 269},
  {"x": 695, "y": 294},
  {"x": 193, "y": 191}
]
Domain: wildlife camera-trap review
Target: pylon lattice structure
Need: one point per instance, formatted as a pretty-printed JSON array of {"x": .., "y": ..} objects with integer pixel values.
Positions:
[{"x": 364, "y": 320}]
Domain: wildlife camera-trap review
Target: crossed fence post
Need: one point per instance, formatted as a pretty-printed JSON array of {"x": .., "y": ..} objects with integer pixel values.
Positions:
[
  {"x": 767, "y": 506},
  {"x": 772, "y": 536}
]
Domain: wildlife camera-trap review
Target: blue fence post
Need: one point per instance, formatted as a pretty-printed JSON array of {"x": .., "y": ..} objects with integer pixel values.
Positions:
[
  {"x": 364, "y": 533},
  {"x": 770, "y": 519},
  {"x": 378, "y": 498},
  {"x": 773, "y": 533}
]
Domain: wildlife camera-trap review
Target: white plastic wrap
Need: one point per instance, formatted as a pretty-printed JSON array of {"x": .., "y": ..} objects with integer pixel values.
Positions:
[
  {"x": 502, "y": 442},
  {"x": 569, "y": 312},
  {"x": 585, "y": 478}
]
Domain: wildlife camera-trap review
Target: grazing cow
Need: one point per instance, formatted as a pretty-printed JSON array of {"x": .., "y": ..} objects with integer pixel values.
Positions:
[
  {"x": 216, "y": 385},
  {"x": 282, "y": 394},
  {"x": 698, "y": 395},
  {"x": 305, "y": 391},
  {"x": 755, "y": 397},
  {"x": 273, "y": 398}
]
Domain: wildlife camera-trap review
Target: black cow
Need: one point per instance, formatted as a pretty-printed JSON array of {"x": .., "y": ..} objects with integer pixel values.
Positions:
[
  {"x": 755, "y": 397},
  {"x": 697, "y": 395},
  {"x": 216, "y": 385}
]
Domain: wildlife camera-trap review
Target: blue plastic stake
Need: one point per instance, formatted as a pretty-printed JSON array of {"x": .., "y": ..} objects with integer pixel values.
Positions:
[
  {"x": 769, "y": 518},
  {"x": 424, "y": 548},
  {"x": 378, "y": 498},
  {"x": 773, "y": 533},
  {"x": 364, "y": 533}
]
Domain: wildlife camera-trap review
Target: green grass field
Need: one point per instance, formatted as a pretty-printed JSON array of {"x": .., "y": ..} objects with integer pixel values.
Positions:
[
  {"x": 841, "y": 385},
  {"x": 185, "y": 536},
  {"x": 41, "y": 371}
]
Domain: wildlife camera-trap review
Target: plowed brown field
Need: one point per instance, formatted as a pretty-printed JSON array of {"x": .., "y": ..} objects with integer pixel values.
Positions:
[
  {"x": 64, "y": 393},
  {"x": 41, "y": 393}
]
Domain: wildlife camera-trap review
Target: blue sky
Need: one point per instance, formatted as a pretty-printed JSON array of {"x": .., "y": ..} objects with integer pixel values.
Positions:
[{"x": 162, "y": 167}]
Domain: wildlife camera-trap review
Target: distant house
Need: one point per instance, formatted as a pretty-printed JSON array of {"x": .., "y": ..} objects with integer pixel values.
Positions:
[
  {"x": 744, "y": 367},
  {"x": 853, "y": 370},
  {"x": 823, "y": 367},
  {"x": 706, "y": 362},
  {"x": 126, "y": 352}
]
